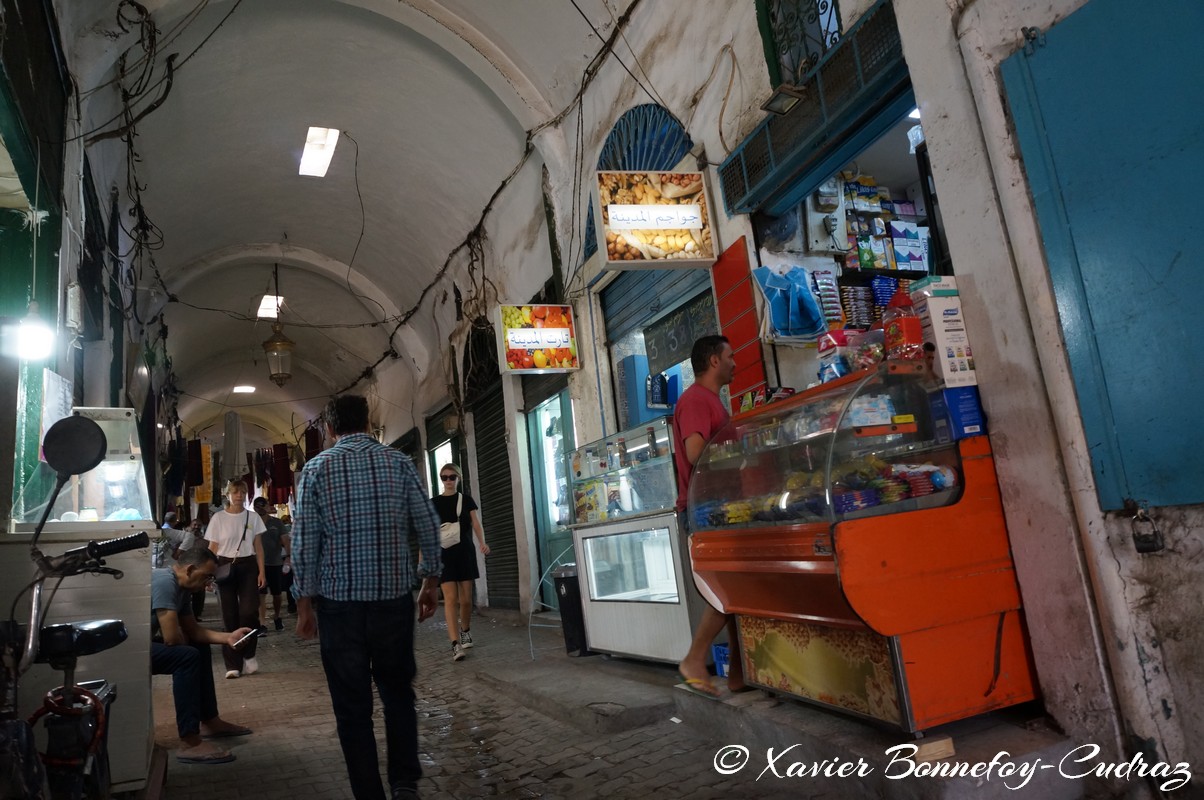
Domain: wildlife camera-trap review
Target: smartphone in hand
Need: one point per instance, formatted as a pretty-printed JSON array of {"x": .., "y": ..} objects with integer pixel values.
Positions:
[{"x": 245, "y": 639}]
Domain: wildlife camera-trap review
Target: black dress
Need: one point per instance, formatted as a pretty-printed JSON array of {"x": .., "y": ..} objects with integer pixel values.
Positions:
[{"x": 459, "y": 561}]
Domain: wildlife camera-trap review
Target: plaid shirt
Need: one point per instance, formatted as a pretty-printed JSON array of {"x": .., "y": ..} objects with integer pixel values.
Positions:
[{"x": 358, "y": 502}]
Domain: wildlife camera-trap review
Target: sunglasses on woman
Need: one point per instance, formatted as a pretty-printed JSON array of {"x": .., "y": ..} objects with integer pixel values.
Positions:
[{"x": 448, "y": 477}]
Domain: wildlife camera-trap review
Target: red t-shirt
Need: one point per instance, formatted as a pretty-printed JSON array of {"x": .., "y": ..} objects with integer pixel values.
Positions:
[{"x": 699, "y": 410}]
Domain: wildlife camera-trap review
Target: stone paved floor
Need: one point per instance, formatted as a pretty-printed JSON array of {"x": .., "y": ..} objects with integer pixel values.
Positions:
[{"x": 474, "y": 742}]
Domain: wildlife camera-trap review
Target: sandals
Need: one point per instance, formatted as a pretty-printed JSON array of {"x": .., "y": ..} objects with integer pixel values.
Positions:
[
  {"x": 704, "y": 687},
  {"x": 204, "y": 754}
]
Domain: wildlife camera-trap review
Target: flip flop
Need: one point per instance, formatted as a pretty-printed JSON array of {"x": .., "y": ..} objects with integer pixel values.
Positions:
[
  {"x": 208, "y": 757},
  {"x": 234, "y": 730},
  {"x": 695, "y": 685}
]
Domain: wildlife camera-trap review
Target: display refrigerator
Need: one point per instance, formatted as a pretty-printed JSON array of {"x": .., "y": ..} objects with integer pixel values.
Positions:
[
  {"x": 637, "y": 593},
  {"x": 862, "y": 547},
  {"x": 107, "y": 502}
]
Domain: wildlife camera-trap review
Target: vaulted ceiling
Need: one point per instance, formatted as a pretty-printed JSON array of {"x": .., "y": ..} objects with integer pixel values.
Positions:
[{"x": 435, "y": 98}]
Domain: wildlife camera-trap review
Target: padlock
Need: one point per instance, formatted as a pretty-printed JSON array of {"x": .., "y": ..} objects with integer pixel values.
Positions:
[{"x": 1146, "y": 541}]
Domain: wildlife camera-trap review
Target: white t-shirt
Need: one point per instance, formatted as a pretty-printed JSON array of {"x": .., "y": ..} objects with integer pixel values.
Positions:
[{"x": 226, "y": 529}]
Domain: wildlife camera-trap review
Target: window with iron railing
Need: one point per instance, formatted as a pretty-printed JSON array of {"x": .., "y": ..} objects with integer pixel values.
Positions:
[{"x": 796, "y": 34}]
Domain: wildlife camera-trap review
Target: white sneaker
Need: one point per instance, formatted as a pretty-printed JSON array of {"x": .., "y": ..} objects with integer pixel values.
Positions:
[
  {"x": 231, "y": 674},
  {"x": 249, "y": 666},
  {"x": 465, "y": 639},
  {"x": 457, "y": 652}
]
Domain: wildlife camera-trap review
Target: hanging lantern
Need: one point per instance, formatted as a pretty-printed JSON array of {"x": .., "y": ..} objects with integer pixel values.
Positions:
[{"x": 279, "y": 350}]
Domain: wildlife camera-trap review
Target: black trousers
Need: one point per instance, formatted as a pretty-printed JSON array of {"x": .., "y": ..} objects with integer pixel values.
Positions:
[
  {"x": 364, "y": 643},
  {"x": 240, "y": 607}
]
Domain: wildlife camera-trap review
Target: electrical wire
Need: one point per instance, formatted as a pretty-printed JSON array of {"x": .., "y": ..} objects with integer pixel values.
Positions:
[
  {"x": 616, "y": 55},
  {"x": 363, "y": 226}
]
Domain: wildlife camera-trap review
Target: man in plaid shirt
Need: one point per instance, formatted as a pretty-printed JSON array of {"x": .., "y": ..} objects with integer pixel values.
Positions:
[{"x": 358, "y": 504}]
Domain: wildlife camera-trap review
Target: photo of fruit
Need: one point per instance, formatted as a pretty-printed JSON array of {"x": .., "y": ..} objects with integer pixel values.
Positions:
[{"x": 538, "y": 338}]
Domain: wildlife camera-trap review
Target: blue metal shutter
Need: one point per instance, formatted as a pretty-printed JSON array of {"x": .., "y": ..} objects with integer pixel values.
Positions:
[{"x": 1107, "y": 143}]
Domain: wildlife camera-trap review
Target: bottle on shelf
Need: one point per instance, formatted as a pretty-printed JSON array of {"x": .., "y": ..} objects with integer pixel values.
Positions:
[
  {"x": 621, "y": 452},
  {"x": 577, "y": 464},
  {"x": 587, "y": 468},
  {"x": 612, "y": 459},
  {"x": 653, "y": 451}
]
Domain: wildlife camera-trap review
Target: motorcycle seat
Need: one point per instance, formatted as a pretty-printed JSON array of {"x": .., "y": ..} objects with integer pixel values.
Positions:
[{"x": 68, "y": 640}]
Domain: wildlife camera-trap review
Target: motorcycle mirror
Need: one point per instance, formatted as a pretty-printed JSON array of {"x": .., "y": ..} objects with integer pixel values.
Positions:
[{"x": 74, "y": 445}]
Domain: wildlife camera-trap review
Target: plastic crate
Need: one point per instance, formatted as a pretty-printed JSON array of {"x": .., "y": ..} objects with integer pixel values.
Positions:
[{"x": 719, "y": 653}]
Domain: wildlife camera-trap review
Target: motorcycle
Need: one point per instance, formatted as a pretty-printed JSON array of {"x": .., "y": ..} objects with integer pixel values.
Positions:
[{"x": 75, "y": 765}]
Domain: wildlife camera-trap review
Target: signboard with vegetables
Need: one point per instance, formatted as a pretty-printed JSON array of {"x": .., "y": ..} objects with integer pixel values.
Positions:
[
  {"x": 537, "y": 338},
  {"x": 654, "y": 220}
]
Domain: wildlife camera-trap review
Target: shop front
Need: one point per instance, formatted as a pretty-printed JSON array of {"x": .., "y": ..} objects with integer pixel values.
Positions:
[{"x": 856, "y": 529}]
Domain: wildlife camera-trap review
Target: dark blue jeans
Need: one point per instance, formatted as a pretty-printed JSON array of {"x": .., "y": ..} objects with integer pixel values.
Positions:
[
  {"x": 191, "y": 671},
  {"x": 362, "y": 642}
]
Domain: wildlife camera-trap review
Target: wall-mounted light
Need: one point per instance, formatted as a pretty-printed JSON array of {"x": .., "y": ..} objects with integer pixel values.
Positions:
[
  {"x": 784, "y": 98},
  {"x": 35, "y": 340}
]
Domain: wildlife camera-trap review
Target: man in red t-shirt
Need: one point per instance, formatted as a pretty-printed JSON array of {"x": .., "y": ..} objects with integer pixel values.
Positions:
[{"x": 699, "y": 414}]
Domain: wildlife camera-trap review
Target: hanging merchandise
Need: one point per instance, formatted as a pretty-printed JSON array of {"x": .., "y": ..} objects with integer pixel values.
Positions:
[{"x": 794, "y": 311}]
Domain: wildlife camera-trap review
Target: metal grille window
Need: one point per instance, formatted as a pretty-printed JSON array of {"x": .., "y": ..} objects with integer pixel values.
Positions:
[{"x": 796, "y": 34}]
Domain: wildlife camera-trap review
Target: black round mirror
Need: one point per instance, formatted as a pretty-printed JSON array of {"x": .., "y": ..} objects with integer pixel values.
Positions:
[{"x": 74, "y": 445}]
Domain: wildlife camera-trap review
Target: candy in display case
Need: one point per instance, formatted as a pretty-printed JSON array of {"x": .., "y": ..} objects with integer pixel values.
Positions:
[{"x": 864, "y": 552}]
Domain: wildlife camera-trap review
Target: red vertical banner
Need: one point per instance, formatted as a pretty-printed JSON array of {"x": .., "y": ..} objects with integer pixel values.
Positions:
[{"x": 736, "y": 304}]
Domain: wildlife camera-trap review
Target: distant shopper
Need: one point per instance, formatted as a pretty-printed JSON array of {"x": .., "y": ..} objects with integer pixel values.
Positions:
[
  {"x": 275, "y": 547},
  {"x": 233, "y": 535},
  {"x": 359, "y": 504},
  {"x": 459, "y": 560},
  {"x": 180, "y": 648},
  {"x": 699, "y": 414}
]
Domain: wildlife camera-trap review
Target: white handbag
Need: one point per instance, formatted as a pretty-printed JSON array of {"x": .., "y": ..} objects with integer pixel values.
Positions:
[{"x": 449, "y": 532}]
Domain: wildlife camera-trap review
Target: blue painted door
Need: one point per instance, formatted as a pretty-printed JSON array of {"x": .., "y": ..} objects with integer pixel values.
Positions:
[{"x": 1109, "y": 112}]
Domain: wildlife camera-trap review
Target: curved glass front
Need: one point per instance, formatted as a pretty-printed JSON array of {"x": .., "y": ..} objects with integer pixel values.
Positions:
[{"x": 865, "y": 445}]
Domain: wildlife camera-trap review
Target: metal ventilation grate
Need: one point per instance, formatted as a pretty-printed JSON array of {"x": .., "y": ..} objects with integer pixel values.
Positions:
[
  {"x": 867, "y": 63},
  {"x": 647, "y": 137}
]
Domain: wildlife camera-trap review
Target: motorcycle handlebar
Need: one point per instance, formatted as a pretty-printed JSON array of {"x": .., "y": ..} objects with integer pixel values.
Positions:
[{"x": 97, "y": 550}]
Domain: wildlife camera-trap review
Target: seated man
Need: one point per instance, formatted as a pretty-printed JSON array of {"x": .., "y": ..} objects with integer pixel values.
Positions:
[{"x": 180, "y": 648}]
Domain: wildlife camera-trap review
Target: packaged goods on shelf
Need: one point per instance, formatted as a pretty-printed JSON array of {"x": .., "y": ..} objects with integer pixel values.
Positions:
[
  {"x": 957, "y": 413},
  {"x": 943, "y": 325}
]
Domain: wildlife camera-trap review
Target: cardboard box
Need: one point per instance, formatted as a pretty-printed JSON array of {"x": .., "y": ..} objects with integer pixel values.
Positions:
[
  {"x": 957, "y": 413},
  {"x": 943, "y": 325},
  {"x": 933, "y": 286},
  {"x": 906, "y": 253}
]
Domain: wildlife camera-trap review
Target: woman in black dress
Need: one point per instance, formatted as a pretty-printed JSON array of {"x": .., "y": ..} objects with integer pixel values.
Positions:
[{"x": 459, "y": 560}]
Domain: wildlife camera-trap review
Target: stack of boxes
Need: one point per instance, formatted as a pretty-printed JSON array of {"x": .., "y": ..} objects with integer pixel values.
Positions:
[
  {"x": 909, "y": 245},
  {"x": 956, "y": 408}
]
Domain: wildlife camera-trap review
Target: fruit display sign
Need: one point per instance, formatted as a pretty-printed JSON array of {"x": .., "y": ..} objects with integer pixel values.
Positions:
[
  {"x": 538, "y": 338},
  {"x": 653, "y": 220}
]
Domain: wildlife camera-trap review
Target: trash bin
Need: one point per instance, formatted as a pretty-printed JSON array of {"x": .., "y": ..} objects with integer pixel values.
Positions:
[{"x": 572, "y": 618}]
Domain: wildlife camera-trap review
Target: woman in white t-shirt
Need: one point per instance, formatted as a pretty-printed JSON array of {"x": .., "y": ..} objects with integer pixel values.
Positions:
[{"x": 233, "y": 534}]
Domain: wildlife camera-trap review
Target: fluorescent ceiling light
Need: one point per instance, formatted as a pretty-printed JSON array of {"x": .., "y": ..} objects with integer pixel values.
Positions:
[
  {"x": 319, "y": 149},
  {"x": 243, "y": 389},
  {"x": 914, "y": 114},
  {"x": 269, "y": 306}
]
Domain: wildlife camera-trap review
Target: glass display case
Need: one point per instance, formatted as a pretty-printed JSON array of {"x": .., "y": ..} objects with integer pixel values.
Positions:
[
  {"x": 624, "y": 475},
  {"x": 636, "y": 565},
  {"x": 854, "y": 449},
  {"x": 111, "y": 497},
  {"x": 860, "y": 542},
  {"x": 637, "y": 594}
]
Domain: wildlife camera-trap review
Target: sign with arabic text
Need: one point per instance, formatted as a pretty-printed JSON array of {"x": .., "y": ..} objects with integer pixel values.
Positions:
[
  {"x": 537, "y": 338},
  {"x": 653, "y": 220}
]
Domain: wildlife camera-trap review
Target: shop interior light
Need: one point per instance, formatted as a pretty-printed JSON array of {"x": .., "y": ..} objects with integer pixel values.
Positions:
[
  {"x": 242, "y": 390},
  {"x": 269, "y": 306},
  {"x": 914, "y": 113},
  {"x": 35, "y": 340},
  {"x": 319, "y": 149},
  {"x": 784, "y": 98}
]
